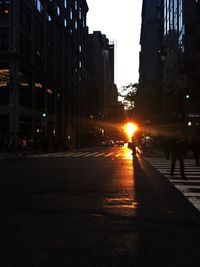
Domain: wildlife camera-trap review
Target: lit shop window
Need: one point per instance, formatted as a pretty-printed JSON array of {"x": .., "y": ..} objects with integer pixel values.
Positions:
[
  {"x": 4, "y": 85},
  {"x": 4, "y": 77}
]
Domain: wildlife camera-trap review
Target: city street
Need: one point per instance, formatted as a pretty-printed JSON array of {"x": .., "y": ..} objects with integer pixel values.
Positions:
[{"x": 97, "y": 207}]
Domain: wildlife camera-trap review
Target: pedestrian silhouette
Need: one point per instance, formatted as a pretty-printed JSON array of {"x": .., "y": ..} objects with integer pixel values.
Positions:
[{"x": 177, "y": 149}]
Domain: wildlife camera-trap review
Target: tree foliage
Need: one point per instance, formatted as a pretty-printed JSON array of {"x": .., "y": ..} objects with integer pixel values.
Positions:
[{"x": 129, "y": 94}]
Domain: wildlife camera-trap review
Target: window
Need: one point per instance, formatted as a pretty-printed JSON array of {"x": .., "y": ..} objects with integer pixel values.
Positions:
[
  {"x": 80, "y": 13},
  {"x": 4, "y": 82},
  {"x": 25, "y": 89},
  {"x": 50, "y": 100},
  {"x": 58, "y": 11},
  {"x": 49, "y": 18},
  {"x": 65, "y": 23},
  {"x": 4, "y": 7},
  {"x": 39, "y": 5},
  {"x": 171, "y": 15},
  {"x": 76, "y": 5},
  {"x": 175, "y": 16},
  {"x": 65, "y": 3},
  {"x": 71, "y": 14},
  {"x": 39, "y": 95},
  {"x": 76, "y": 24},
  {"x": 180, "y": 15},
  {"x": 83, "y": 22}
]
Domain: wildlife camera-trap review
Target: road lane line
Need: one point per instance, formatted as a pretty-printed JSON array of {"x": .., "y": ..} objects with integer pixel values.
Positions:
[
  {"x": 98, "y": 155},
  {"x": 90, "y": 154},
  {"x": 107, "y": 155}
]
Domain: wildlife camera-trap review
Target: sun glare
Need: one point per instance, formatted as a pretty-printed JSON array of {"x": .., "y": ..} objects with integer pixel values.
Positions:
[{"x": 130, "y": 129}]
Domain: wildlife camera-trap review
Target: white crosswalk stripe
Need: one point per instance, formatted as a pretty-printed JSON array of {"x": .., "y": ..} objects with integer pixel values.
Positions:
[
  {"x": 76, "y": 154},
  {"x": 109, "y": 154},
  {"x": 189, "y": 187}
]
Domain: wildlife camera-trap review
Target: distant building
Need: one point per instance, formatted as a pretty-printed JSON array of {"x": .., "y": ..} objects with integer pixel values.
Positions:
[
  {"x": 42, "y": 69},
  {"x": 102, "y": 93}
]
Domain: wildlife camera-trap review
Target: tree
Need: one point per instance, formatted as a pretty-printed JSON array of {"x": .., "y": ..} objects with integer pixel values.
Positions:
[{"x": 130, "y": 96}]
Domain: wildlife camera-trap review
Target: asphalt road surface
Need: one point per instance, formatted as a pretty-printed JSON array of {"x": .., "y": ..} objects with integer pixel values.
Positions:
[{"x": 98, "y": 207}]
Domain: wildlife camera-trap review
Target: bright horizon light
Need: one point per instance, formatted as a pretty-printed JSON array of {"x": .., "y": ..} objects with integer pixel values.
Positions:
[
  {"x": 121, "y": 23},
  {"x": 130, "y": 128}
]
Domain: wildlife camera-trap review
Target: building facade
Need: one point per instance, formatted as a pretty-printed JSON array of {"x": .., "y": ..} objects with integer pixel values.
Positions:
[
  {"x": 181, "y": 79},
  {"x": 169, "y": 62},
  {"x": 102, "y": 93},
  {"x": 150, "y": 69},
  {"x": 42, "y": 69}
]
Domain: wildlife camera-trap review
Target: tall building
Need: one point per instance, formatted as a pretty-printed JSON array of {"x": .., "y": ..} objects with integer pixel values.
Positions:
[
  {"x": 150, "y": 70},
  {"x": 101, "y": 73},
  {"x": 42, "y": 69},
  {"x": 169, "y": 62},
  {"x": 181, "y": 82},
  {"x": 102, "y": 93}
]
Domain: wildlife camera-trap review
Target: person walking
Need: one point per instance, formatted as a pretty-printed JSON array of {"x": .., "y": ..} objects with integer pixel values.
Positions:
[{"x": 177, "y": 152}]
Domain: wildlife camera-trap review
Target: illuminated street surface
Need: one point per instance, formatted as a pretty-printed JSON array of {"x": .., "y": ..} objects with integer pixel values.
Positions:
[{"x": 94, "y": 207}]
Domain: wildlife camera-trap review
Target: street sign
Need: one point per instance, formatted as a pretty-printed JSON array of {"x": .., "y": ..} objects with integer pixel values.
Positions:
[{"x": 193, "y": 115}]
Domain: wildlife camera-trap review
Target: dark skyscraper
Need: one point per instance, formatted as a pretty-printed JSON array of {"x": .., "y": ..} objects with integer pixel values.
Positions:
[
  {"x": 150, "y": 71},
  {"x": 169, "y": 80},
  {"x": 42, "y": 66}
]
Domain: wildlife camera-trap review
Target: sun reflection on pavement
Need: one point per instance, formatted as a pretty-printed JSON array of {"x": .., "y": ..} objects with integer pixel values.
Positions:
[
  {"x": 122, "y": 200},
  {"x": 127, "y": 152}
]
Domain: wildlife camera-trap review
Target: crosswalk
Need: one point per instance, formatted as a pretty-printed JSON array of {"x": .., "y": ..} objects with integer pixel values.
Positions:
[
  {"x": 190, "y": 187},
  {"x": 76, "y": 154}
]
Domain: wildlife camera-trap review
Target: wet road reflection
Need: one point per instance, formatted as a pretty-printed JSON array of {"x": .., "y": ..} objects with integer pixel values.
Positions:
[{"x": 122, "y": 201}]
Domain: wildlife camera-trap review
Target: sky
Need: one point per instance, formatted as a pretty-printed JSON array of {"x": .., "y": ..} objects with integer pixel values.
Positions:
[{"x": 121, "y": 22}]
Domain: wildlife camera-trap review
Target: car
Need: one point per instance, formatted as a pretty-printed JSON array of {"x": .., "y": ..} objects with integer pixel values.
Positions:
[
  {"x": 108, "y": 143},
  {"x": 120, "y": 143}
]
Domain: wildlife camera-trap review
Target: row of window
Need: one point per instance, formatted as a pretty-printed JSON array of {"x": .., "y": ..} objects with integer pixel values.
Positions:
[
  {"x": 4, "y": 8},
  {"x": 40, "y": 8},
  {"x": 39, "y": 4},
  {"x": 25, "y": 91},
  {"x": 173, "y": 16}
]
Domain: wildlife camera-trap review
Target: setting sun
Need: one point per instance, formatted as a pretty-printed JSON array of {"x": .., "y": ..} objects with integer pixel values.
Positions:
[{"x": 130, "y": 129}]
